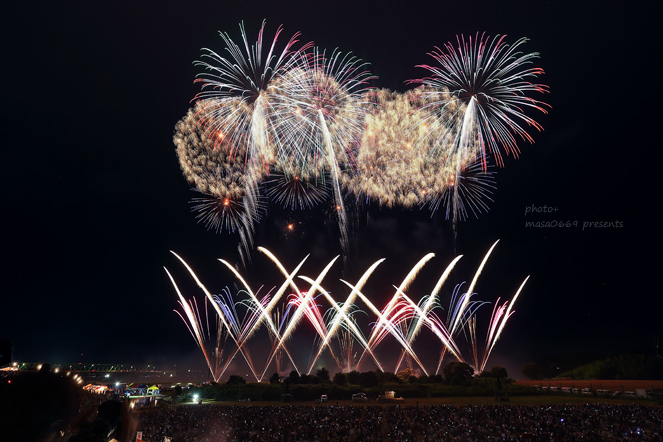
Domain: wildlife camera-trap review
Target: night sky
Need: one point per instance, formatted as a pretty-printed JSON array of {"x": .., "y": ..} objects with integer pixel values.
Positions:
[{"x": 94, "y": 198}]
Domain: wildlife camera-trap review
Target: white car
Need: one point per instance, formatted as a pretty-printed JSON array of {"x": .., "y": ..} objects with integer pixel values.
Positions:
[{"x": 323, "y": 398}]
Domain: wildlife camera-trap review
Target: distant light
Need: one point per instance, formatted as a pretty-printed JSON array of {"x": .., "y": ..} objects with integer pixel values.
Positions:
[
  {"x": 117, "y": 384},
  {"x": 195, "y": 397},
  {"x": 107, "y": 375},
  {"x": 39, "y": 367},
  {"x": 57, "y": 370}
]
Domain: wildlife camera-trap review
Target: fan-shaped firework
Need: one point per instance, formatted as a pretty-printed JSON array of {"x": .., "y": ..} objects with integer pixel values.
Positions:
[
  {"x": 311, "y": 118},
  {"x": 402, "y": 319}
]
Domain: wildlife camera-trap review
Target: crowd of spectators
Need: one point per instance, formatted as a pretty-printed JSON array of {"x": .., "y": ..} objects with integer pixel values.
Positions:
[{"x": 591, "y": 422}]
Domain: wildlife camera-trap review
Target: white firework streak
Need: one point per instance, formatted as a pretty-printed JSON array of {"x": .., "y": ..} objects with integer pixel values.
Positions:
[
  {"x": 264, "y": 316},
  {"x": 298, "y": 313},
  {"x": 386, "y": 326},
  {"x": 404, "y": 285},
  {"x": 443, "y": 335},
  {"x": 429, "y": 304},
  {"x": 467, "y": 298},
  {"x": 342, "y": 313},
  {"x": 352, "y": 326},
  {"x": 288, "y": 282}
]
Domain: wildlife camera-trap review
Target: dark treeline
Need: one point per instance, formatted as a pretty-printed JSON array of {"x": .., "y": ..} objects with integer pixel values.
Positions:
[
  {"x": 458, "y": 380},
  {"x": 620, "y": 367}
]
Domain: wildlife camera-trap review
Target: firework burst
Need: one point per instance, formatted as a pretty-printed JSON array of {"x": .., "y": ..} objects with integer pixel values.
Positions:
[
  {"x": 466, "y": 191},
  {"x": 296, "y": 192},
  {"x": 489, "y": 79},
  {"x": 301, "y": 123}
]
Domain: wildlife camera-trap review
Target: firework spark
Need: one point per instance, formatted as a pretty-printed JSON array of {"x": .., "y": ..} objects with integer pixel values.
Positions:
[{"x": 401, "y": 320}]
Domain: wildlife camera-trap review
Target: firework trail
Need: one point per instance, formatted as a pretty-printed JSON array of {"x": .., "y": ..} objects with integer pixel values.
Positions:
[
  {"x": 264, "y": 315},
  {"x": 346, "y": 305},
  {"x": 349, "y": 324},
  {"x": 466, "y": 300},
  {"x": 388, "y": 309},
  {"x": 312, "y": 313},
  {"x": 305, "y": 301},
  {"x": 195, "y": 326},
  {"x": 430, "y": 302},
  {"x": 401, "y": 319},
  {"x": 496, "y": 326}
]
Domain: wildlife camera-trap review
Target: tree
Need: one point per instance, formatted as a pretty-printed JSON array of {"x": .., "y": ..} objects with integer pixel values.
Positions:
[
  {"x": 499, "y": 372},
  {"x": 386, "y": 376},
  {"x": 423, "y": 379},
  {"x": 404, "y": 375},
  {"x": 322, "y": 374},
  {"x": 458, "y": 373},
  {"x": 294, "y": 377},
  {"x": 340, "y": 378},
  {"x": 531, "y": 370},
  {"x": 353, "y": 377},
  {"x": 369, "y": 379},
  {"x": 275, "y": 379},
  {"x": 235, "y": 379},
  {"x": 178, "y": 390},
  {"x": 436, "y": 379}
]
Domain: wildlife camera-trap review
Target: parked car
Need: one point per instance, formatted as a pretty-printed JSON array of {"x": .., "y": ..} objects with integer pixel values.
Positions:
[
  {"x": 359, "y": 397},
  {"x": 323, "y": 398}
]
